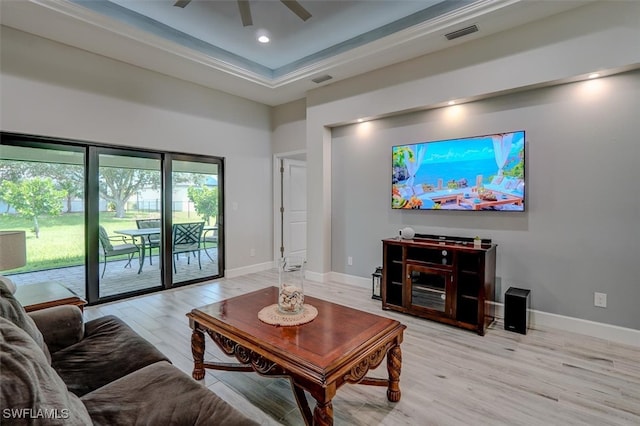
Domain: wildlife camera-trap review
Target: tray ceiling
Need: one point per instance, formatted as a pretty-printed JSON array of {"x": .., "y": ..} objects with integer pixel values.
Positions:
[{"x": 206, "y": 42}]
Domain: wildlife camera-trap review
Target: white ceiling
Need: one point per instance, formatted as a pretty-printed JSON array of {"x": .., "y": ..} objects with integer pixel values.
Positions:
[{"x": 206, "y": 43}]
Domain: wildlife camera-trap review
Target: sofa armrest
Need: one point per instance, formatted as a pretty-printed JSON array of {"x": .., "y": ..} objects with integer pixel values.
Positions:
[{"x": 61, "y": 326}]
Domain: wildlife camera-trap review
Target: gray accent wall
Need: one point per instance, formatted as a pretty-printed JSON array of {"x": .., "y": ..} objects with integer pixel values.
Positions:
[
  {"x": 599, "y": 36},
  {"x": 583, "y": 152},
  {"x": 580, "y": 233}
]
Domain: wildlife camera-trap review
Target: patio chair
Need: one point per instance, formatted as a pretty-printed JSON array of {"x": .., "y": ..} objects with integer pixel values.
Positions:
[
  {"x": 110, "y": 250},
  {"x": 210, "y": 236},
  {"x": 186, "y": 239},
  {"x": 151, "y": 241}
]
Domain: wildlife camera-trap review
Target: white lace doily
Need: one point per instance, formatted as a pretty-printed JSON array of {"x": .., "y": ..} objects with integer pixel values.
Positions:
[{"x": 271, "y": 315}]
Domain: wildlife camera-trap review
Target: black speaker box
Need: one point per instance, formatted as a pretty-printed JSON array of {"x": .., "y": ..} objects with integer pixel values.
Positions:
[{"x": 516, "y": 310}]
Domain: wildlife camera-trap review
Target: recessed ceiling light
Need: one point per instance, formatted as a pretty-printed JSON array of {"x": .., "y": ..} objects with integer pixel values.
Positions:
[
  {"x": 360, "y": 120},
  {"x": 594, "y": 75},
  {"x": 262, "y": 35},
  {"x": 451, "y": 102}
]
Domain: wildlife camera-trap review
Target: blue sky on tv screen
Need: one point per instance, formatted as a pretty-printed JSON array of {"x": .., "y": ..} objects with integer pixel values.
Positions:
[
  {"x": 468, "y": 149},
  {"x": 465, "y": 158}
]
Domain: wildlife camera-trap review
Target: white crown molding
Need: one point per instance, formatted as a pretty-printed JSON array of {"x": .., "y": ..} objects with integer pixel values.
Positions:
[
  {"x": 415, "y": 33},
  {"x": 68, "y": 23},
  {"x": 135, "y": 35},
  {"x": 373, "y": 49}
]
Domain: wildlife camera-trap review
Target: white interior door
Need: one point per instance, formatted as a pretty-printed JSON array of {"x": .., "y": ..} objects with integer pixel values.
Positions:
[{"x": 294, "y": 203}]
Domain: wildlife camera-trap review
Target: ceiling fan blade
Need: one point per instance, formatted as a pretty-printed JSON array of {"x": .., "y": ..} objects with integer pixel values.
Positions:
[
  {"x": 182, "y": 3},
  {"x": 245, "y": 13},
  {"x": 297, "y": 8}
]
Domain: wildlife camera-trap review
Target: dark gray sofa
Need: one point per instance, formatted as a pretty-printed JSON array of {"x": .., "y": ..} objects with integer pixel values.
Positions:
[{"x": 56, "y": 369}]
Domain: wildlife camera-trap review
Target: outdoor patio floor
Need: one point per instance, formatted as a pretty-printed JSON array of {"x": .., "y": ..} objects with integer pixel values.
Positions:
[{"x": 118, "y": 279}]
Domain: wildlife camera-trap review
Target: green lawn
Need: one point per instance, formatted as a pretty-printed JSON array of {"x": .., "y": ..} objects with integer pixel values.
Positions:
[{"x": 61, "y": 241}]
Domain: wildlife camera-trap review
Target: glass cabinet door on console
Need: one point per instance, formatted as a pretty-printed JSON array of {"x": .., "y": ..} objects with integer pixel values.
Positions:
[{"x": 429, "y": 288}]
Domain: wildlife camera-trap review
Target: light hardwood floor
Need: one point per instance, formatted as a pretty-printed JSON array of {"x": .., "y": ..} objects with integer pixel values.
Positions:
[{"x": 449, "y": 376}]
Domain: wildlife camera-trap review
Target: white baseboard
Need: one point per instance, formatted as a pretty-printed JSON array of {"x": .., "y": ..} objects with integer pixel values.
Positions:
[
  {"x": 259, "y": 267},
  {"x": 251, "y": 269},
  {"x": 317, "y": 276},
  {"x": 614, "y": 333},
  {"x": 349, "y": 279},
  {"x": 538, "y": 319}
]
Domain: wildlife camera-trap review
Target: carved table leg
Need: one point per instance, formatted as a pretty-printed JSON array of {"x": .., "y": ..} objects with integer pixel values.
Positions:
[
  {"x": 197, "y": 349},
  {"x": 394, "y": 364},
  {"x": 303, "y": 405},
  {"x": 323, "y": 414}
]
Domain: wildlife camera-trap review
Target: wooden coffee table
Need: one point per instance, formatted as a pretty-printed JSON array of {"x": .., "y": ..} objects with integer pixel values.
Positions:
[{"x": 339, "y": 346}]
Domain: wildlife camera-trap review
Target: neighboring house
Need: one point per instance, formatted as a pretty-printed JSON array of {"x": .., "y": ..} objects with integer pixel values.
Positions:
[{"x": 148, "y": 199}]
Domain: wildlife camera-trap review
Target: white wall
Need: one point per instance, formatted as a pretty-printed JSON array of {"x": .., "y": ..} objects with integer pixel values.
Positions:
[
  {"x": 56, "y": 90},
  {"x": 596, "y": 37},
  {"x": 289, "y": 127}
]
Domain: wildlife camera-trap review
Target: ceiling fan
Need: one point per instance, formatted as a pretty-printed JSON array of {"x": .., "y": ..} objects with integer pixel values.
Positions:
[{"x": 245, "y": 9}]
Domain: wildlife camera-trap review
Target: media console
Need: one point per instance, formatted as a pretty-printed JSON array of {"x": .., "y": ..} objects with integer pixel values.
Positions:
[{"x": 442, "y": 278}]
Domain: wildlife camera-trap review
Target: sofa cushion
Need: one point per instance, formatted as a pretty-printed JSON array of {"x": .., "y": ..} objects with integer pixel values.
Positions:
[
  {"x": 110, "y": 349},
  {"x": 32, "y": 392},
  {"x": 160, "y": 394},
  {"x": 12, "y": 310},
  {"x": 61, "y": 326}
]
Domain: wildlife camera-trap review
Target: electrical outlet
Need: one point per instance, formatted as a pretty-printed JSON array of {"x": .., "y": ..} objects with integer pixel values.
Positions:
[
  {"x": 350, "y": 261},
  {"x": 600, "y": 300},
  {"x": 252, "y": 252}
]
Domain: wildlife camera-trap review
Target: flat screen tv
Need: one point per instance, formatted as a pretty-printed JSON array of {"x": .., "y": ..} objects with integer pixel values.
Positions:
[{"x": 477, "y": 173}]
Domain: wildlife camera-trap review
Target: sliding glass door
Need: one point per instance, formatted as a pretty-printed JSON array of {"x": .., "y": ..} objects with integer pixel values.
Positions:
[
  {"x": 196, "y": 221},
  {"x": 129, "y": 204},
  {"x": 42, "y": 189},
  {"x": 108, "y": 222}
]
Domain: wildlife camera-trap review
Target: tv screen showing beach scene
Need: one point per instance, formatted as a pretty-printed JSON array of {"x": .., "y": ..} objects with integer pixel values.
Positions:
[{"x": 480, "y": 173}]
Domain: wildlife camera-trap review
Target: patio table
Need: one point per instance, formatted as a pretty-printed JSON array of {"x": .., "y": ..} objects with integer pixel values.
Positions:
[{"x": 144, "y": 233}]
